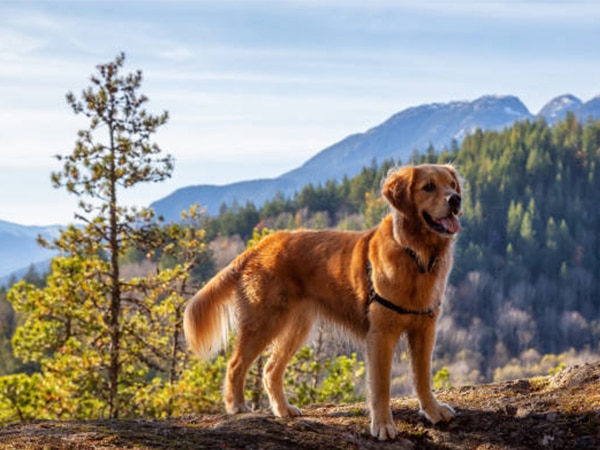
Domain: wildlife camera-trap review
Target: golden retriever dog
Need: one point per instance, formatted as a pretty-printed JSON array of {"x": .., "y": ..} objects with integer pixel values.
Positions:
[{"x": 377, "y": 284}]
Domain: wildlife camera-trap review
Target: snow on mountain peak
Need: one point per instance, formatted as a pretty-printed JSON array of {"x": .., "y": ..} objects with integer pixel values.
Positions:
[{"x": 559, "y": 106}]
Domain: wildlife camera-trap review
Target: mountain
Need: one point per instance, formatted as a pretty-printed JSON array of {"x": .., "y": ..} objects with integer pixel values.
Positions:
[
  {"x": 416, "y": 128},
  {"x": 589, "y": 109},
  {"x": 557, "y": 108},
  {"x": 19, "y": 248}
]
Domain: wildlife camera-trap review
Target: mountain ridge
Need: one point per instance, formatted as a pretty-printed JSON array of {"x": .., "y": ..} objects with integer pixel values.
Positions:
[
  {"x": 557, "y": 108},
  {"x": 19, "y": 248},
  {"x": 412, "y": 129}
]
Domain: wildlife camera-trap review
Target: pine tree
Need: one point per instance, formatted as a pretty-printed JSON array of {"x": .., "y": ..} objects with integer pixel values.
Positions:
[{"x": 113, "y": 154}]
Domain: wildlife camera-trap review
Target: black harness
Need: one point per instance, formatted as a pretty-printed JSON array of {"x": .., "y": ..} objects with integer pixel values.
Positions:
[{"x": 373, "y": 296}]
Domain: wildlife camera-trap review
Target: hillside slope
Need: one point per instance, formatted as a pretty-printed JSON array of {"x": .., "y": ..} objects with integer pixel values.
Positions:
[
  {"x": 558, "y": 412},
  {"x": 19, "y": 247}
]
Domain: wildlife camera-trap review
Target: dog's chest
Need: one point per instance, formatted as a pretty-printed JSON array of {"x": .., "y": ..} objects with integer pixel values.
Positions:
[
  {"x": 415, "y": 289},
  {"x": 428, "y": 288}
]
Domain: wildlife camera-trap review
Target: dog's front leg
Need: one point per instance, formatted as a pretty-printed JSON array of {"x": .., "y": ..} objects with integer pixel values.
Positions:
[
  {"x": 380, "y": 351},
  {"x": 421, "y": 340}
]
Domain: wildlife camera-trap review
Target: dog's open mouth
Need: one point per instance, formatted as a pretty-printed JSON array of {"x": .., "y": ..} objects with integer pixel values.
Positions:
[{"x": 445, "y": 225}]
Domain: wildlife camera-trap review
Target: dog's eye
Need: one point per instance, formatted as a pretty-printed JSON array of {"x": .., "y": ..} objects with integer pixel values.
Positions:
[
  {"x": 453, "y": 185},
  {"x": 429, "y": 187}
]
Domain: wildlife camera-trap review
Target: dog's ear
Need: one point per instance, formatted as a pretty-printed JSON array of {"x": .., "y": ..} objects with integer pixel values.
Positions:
[{"x": 397, "y": 189}]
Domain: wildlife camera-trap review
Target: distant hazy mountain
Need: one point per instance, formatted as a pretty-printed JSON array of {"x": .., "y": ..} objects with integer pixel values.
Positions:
[
  {"x": 589, "y": 109},
  {"x": 415, "y": 128},
  {"x": 412, "y": 129},
  {"x": 19, "y": 249},
  {"x": 557, "y": 108}
]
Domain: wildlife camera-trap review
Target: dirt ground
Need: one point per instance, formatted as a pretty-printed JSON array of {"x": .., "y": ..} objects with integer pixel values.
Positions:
[{"x": 558, "y": 412}]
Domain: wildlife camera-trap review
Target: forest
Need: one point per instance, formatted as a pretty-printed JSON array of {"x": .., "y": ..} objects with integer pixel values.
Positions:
[{"x": 100, "y": 335}]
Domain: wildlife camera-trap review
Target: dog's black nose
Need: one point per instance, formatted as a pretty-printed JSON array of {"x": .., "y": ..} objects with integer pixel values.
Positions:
[{"x": 454, "y": 202}]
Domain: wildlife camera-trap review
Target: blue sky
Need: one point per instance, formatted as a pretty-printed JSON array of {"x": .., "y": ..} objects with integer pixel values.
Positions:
[{"x": 256, "y": 87}]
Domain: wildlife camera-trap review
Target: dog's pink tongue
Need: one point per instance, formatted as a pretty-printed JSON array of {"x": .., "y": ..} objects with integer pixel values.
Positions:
[{"x": 451, "y": 224}]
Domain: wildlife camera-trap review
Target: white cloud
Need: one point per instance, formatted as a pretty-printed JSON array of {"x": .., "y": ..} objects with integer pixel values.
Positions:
[
  {"x": 14, "y": 43},
  {"x": 177, "y": 54},
  {"x": 535, "y": 10}
]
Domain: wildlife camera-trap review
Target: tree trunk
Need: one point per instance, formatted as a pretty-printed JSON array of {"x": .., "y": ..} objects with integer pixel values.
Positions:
[{"x": 115, "y": 301}]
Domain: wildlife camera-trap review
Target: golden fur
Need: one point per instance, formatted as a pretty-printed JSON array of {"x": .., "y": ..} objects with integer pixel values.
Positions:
[{"x": 283, "y": 284}]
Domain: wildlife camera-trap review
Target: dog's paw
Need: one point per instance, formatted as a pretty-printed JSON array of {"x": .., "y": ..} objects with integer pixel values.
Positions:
[
  {"x": 238, "y": 409},
  {"x": 287, "y": 411},
  {"x": 384, "y": 430},
  {"x": 438, "y": 412}
]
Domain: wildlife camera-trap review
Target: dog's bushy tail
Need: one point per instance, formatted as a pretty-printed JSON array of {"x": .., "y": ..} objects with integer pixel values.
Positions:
[{"x": 208, "y": 319}]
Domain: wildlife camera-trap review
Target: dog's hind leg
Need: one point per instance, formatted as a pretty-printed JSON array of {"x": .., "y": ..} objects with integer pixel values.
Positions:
[
  {"x": 249, "y": 345},
  {"x": 284, "y": 347},
  {"x": 259, "y": 325}
]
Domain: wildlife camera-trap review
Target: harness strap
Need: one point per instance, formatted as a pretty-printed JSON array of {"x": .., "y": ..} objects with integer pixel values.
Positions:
[{"x": 373, "y": 296}]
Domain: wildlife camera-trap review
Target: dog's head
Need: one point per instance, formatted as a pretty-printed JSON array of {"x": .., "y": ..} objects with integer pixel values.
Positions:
[{"x": 429, "y": 192}]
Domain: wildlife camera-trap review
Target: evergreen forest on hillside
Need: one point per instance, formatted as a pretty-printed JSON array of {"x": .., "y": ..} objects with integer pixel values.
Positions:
[
  {"x": 523, "y": 283},
  {"x": 522, "y": 299}
]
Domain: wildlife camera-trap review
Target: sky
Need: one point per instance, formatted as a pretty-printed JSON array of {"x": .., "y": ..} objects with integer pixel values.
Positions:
[{"x": 254, "y": 88}]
